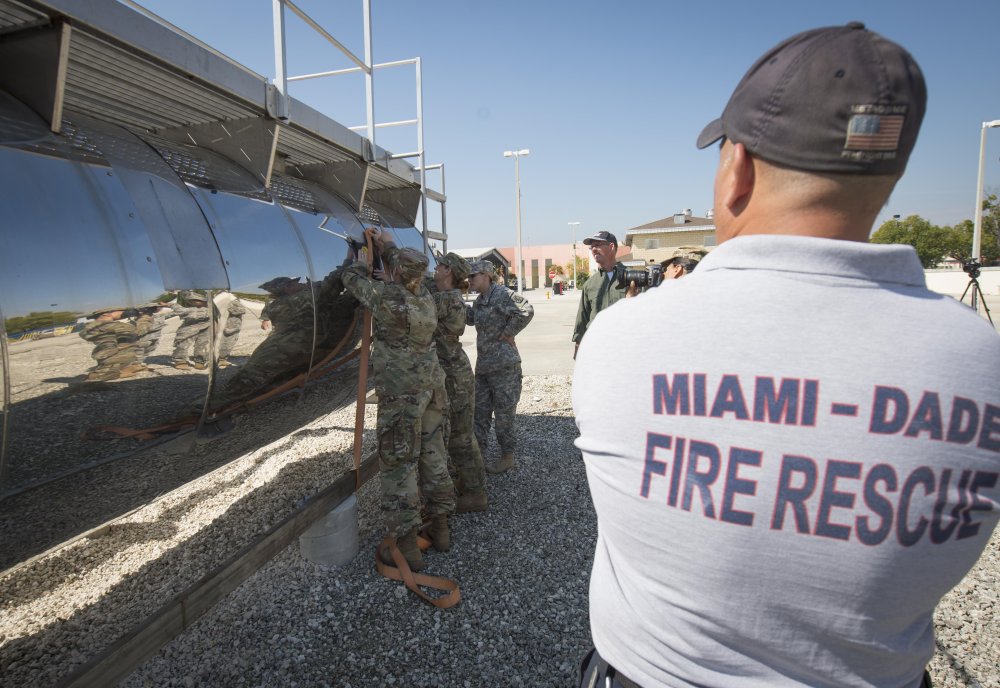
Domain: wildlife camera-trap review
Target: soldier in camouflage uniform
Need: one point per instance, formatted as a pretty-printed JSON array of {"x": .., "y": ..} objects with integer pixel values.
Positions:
[
  {"x": 231, "y": 330},
  {"x": 498, "y": 316},
  {"x": 287, "y": 348},
  {"x": 412, "y": 400},
  {"x": 115, "y": 340},
  {"x": 193, "y": 332},
  {"x": 151, "y": 321},
  {"x": 446, "y": 287}
]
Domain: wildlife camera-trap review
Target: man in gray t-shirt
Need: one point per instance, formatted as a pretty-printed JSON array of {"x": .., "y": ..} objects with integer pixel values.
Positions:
[{"x": 791, "y": 486}]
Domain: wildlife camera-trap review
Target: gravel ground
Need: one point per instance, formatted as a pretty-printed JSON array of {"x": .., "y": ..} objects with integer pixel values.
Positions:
[{"x": 523, "y": 568}]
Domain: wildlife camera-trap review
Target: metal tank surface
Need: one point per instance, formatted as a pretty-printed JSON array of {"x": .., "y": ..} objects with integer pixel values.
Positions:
[{"x": 152, "y": 293}]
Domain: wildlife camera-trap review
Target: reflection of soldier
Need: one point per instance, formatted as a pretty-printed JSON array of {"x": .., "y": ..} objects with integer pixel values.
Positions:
[
  {"x": 193, "y": 332},
  {"x": 115, "y": 345},
  {"x": 276, "y": 289},
  {"x": 289, "y": 345},
  {"x": 149, "y": 326},
  {"x": 446, "y": 287},
  {"x": 412, "y": 400},
  {"x": 231, "y": 331}
]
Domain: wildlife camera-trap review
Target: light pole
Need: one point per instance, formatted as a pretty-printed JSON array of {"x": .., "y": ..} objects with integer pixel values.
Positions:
[
  {"x": 574, "y": 224},
  {"x": 517, "y": 178},
  {"x": 977, "y": 233}
]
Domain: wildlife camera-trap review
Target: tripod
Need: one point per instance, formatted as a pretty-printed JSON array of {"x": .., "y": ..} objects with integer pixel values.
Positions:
[{"x": 977, "y": 292}]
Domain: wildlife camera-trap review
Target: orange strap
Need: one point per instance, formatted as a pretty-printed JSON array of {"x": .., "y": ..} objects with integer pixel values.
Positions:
[
  {"x": 402, "y": 572},
  {"x": 149, "y": 434}
]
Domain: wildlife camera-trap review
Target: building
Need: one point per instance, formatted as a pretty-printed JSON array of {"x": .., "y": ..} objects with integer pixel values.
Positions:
[
  {"x": 539, "y": 260},
  {"x": 491, "y": 254},
  {"x": 656, "y": 241}
]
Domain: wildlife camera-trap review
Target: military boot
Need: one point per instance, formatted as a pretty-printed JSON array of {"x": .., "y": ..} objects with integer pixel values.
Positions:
[
  {"x": 505, "y": 463},
  {"x": 408, "y": 547},
  {"x": 181, "y": 365},
  {"x": 200, "y": 366},
  {"x": 440, "y": 537},
  {"x": 476, "y": 501}
]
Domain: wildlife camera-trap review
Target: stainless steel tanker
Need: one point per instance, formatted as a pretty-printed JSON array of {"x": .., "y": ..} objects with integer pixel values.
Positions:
[{"x": 152, "y": 293}]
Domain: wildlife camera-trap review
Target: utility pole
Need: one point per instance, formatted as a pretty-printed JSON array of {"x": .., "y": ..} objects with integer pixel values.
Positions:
[
  {"x": 574, "y": 224},
  {"x": 517, "y": 178}
]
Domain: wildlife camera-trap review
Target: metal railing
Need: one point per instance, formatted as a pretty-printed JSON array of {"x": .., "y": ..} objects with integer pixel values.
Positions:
[{"x": 281, "y": 81}]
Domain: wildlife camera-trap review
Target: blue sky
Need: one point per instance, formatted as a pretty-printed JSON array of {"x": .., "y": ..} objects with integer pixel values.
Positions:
[{"x": 609, "y": 97}]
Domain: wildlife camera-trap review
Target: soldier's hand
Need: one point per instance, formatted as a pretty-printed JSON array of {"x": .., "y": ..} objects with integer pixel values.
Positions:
[
  {"x": 632, "y": 290},
  {"x": 576, "y": 347},
  {"x": 509, "y": 340},
  {"x": 263, "y": 325},
  {"x": 381, "y": 276}
]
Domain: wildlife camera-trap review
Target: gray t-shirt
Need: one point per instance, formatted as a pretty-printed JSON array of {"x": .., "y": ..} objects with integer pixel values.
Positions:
[{"x": 803, "y": 462}]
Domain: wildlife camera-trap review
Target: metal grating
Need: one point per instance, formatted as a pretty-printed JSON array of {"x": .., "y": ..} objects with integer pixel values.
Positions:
[
  {"x": 289, "y": 191},
  {"x": 112, "y": 84},
  {"x": 303, "y": 149},
  {"x": 369, "y": 214},
  {"x": 206, "y": 169},
  {"x": 71, "y": 144},
  {"x": 14, "y": 14}
]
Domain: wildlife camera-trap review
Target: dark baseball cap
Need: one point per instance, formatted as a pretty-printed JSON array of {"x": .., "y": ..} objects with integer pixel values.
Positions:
[
  {"x": 601, "y": 236},
  {"x": 836, "y": 99}
]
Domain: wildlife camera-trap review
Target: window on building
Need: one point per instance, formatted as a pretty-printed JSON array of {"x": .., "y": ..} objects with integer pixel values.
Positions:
[
  {"x": 709, "y": 240},
  {"x": 652, "y": 244}
]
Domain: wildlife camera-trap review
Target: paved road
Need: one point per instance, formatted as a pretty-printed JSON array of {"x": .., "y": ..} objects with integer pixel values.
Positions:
[{"x": 545, "y": 344}]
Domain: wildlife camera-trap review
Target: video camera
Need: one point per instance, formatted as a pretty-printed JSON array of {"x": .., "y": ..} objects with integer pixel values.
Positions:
[
  {"x": 971, "y": 267},
  {"x": 642, "y": 278}
]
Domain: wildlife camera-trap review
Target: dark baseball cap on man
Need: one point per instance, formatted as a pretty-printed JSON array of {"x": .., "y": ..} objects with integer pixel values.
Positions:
[
  {"x": 836, "y": 99},
  {"x": 601, "y": 236}
]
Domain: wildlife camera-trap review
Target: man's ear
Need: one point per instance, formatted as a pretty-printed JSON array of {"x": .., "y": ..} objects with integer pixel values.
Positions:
[{"x": 738, "y": 180}]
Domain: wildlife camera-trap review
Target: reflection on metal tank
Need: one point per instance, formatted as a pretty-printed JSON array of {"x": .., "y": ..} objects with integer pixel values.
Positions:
[{"x": 151, "y": 292}]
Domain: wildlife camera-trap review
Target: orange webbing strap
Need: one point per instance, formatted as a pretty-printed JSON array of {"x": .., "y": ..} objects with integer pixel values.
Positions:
[
  {"x": 402, "y": 572},
  {"x": 366, "y": 341},
  {"x": 148, "y": 434}
]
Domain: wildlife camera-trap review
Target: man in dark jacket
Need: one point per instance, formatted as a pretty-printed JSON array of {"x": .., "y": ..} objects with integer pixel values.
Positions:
[{"x": 601, "y": 290}]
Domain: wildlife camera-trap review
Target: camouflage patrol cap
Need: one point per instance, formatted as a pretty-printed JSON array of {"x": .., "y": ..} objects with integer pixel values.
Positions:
[
  {"x": 459, "y": 265},
  {"x": 695, "y": 253},
  {"x": 189, "y": 295},
  {"x": 477, "y": 266},
  {"x": 278, "y": 283},
  {"x": 411, "y": 262}
]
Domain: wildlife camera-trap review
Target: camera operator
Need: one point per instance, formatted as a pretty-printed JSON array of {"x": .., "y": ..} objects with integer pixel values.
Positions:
[
  {"x": 683, "y": 262},
  {"x": 603, "y": 290},
  {"x": 785, "y": 496}
]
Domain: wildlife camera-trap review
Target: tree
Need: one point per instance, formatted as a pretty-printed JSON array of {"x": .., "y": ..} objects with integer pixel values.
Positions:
[
  {"x": 960, "y": 240},
  {"x": 38, "y": 320},
  {"x": 932, "y": 243},
  {"x": 582, "y": 269}
]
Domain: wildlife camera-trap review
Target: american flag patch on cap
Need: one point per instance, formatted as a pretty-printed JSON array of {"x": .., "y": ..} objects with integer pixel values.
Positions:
[{"x": 874, "y": 132}]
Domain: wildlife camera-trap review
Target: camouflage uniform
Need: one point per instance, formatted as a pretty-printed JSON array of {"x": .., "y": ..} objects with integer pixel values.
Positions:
[
  {"x": 152, "y": 326},
  {"x": 193, "y": 333},
  {"x": 231, "y": 330},
  {"x": 115, "y": 347},
  {"x": 412, "y": 402},
  {"x": 498, "y": 364},
  {"x": 287, "y": 349},
  {"x": 460, "y": 382}
]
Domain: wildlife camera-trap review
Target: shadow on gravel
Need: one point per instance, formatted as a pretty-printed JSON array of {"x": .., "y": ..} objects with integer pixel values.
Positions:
[
  {"x": 47, "y": 654},
  {"x": 33, "y": 522}
]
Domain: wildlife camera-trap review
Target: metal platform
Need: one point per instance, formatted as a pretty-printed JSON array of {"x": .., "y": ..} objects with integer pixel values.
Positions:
[{"x": 113, "y": 64}]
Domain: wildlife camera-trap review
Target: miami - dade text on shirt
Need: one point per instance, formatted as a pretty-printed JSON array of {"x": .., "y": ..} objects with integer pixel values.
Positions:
[{"x": 835, "y": 497}]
